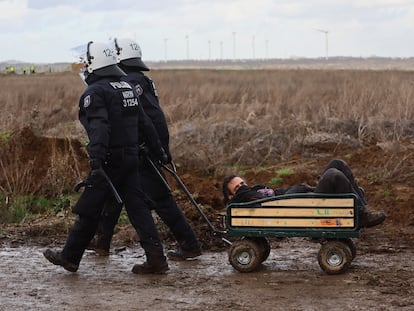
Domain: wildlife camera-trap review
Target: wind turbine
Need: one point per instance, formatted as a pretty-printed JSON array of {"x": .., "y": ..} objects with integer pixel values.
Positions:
[
  {"x": 326, "y": 39},
  {"x": 165, "y": 48},
  {"x": 187, "y": 38},
  {"x": 234, "y": 45}
]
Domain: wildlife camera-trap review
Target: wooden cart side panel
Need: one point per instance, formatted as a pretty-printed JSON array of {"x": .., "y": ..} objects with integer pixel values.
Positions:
[
  {"x": 295, "y": 212},
  {"x": 312, "y": 202},
  {"x": 294, "y": 222},
  {"x": 292, "y": 212}
]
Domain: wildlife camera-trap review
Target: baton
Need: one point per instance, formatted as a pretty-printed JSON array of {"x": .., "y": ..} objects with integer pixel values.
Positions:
[
  {"x": 111, "y": 185},
  {"x": 165, "y": 182}
]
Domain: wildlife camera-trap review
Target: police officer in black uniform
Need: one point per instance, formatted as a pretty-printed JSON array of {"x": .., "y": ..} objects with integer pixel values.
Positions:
[
  {"x": 113, "y": 118},
  {"x": 161, "y": 199}
]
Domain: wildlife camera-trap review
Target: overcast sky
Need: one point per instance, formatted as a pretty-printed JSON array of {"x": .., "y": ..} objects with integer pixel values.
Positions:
[{"x": 45, "y": 30}]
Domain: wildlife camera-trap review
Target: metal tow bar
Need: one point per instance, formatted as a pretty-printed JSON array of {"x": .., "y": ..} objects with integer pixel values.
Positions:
[{"x": 173, "y": 172}]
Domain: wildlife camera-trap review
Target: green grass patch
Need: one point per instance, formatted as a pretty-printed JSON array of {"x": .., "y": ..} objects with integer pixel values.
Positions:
[
  {"x": 284, "y": 172},
  {"x": 386, "y": 193},
  {"x": 17, "y": 208},
  {"x": 123, "y": 218},
  {"x": 278, "y": 179},
  {"x": 5, "y": 136}
]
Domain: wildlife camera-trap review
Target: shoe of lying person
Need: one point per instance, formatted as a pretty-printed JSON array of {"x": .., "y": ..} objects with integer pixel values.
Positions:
[
  {"x": 371, "y": 219},
  {"x": 362, "y": 195},
  {"x": 182, "y": 254},
  {"x": 56, "y": 259},
  {"x": 146, "y": 268}
]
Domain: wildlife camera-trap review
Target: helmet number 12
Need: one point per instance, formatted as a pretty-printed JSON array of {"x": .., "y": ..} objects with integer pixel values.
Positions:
[
  {"x": 108, "y": 52},
  {"x": 134, "y": 46}
]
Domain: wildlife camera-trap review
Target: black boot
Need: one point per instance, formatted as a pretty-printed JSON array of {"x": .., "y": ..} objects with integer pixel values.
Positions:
[
  {"x": 56, "y": 259},
  {"x": 156, "y": 264},
  {"x": 147, "y": 268},
  {"x": 182, "y": 253},
  {"x": 371, "y": 219}
]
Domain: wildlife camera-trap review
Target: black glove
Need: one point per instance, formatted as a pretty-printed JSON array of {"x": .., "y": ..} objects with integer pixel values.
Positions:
[
  {"x": 159, "y": 155},
  {"x": 167, "y": 151},
  {"x": 162, "y": 157},
  {"x": 96, "y": 175},
  {"x": 95, "y": 163}
]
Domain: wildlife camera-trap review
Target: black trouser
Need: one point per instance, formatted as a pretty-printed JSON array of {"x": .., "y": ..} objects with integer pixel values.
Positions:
[
  {"x": 124, "y": 175},
  {"x": 338, "y": 178},
  {"x": 161, "y": 200}
]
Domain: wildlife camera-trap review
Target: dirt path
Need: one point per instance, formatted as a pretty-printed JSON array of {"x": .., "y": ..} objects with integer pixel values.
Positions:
[{"x": 380, "y": 278}]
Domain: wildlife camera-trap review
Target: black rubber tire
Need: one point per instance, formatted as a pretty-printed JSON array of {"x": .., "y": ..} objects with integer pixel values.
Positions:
[
  {"x": 264, "y": 247},
  {"x": 334, "y": 257},
  {"x": 352, "y": 246},
  {"x": 245, "y": 255}
]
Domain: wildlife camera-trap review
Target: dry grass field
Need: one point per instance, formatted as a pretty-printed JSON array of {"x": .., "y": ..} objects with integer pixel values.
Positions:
[
  {"x": 220, "y": 121},
  {"x": 229, "y": 117}
]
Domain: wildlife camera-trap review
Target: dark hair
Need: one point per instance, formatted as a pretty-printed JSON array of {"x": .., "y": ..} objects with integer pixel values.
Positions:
[{"x": 225, "y": 188}]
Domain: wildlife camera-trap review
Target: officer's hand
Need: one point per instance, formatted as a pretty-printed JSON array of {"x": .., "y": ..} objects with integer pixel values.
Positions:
[
  {"x": 95, "y": 163},
  {"x": 96, "y": 175},
  {"x": 167, "y": 151},
  {"x": 163, "y": 157},
  {"x": 144, "y": 150}
]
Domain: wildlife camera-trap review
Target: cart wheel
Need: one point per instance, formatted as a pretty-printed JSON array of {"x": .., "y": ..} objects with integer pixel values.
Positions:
[
  {"x": 245, "y": 255},
  {"x": 334, "y": 257},
  {"x": 264, "y": 247},
  {"x": 352, "y": 247}
]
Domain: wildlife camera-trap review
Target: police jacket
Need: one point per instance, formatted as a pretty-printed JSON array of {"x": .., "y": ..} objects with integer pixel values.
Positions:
[
  {"x": 148, "y": 96},
  {"x": 113, "y": 117}
]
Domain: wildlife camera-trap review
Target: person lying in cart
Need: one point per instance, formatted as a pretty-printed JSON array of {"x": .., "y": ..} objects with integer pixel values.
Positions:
[{"x": 337, "y": 177}]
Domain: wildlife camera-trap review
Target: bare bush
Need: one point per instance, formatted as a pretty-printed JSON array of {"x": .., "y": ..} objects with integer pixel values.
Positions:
[
  {"x": 221, "y": 117},
  {"x": 63, "y": 171},
  {"x": 217, "y": 117},
  {"x": 17, "y": 175},
  {"x": 40, "y": 101},
  {"x": 31, "y": 164}
]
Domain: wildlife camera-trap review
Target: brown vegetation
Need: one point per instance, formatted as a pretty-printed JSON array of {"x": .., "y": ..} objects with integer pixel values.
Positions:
[
  {"x": 250, "y": 122},
  {"x": 238, "y": 117}
]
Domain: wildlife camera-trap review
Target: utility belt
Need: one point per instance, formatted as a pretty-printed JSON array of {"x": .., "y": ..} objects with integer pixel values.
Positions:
[
  {"x": 117, "y": 154},
  {"x": 125, "y": 149}
]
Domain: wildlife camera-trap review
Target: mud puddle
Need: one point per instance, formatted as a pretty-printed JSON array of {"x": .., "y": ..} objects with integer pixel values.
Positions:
[{"x": 380, "y": 278}]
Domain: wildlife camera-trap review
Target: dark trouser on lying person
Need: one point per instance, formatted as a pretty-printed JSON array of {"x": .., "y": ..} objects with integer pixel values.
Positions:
[{"x": 336, "y": 178}]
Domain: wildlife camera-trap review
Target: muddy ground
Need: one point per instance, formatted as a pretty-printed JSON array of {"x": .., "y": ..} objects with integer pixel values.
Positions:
[{"x": 381, "y": 277}]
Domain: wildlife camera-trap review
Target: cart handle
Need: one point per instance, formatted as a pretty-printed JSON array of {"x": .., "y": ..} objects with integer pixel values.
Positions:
[{"x": 173, "y": 172}]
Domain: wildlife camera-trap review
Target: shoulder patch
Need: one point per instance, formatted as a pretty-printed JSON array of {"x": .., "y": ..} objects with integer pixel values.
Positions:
[
  {"x": 87, "y": 101},
  {"x": 139, "y": 89}
]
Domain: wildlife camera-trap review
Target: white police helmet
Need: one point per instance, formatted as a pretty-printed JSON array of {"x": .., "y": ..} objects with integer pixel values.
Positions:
[
  {"x": 129, "y": 53},
  {"x": 101, "y": 60}
]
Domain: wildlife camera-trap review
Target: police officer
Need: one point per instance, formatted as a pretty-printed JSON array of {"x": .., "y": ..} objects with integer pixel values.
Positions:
[
  {"x": 161, "y": 199},
  {"x": 112, "y": 116}
]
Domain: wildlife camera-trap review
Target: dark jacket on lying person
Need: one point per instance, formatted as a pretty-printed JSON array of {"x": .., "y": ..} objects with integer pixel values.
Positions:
[
  {"x": 246, "y": 193},
  {"x": 336, "y": 178}
]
